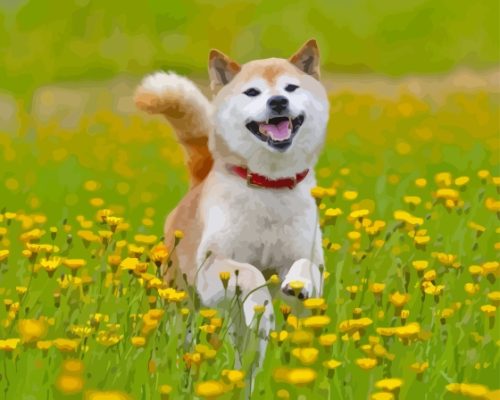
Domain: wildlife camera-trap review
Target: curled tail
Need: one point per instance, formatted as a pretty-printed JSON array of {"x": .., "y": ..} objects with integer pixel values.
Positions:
[{"x": 187, "y": 110}]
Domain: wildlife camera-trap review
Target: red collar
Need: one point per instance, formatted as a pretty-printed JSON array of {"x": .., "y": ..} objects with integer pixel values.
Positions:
[{"x": 262, "y": 181}]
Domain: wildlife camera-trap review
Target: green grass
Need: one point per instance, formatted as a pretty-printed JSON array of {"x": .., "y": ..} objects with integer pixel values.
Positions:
[
  {"x": 52, "y": 177},
  {"x": 52, "y": 41}
]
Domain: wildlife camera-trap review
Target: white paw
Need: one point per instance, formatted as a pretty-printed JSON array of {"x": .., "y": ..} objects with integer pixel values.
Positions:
[
  {"x": 303, "y": 280},
  {"x": 302, "y": 289}
]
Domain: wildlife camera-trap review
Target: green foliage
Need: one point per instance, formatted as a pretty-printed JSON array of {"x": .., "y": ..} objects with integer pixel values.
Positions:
[{"x": 50, "y": 41}]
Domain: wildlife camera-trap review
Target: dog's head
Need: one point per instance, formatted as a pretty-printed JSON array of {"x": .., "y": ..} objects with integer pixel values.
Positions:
[{"x": 271, "y": 114}]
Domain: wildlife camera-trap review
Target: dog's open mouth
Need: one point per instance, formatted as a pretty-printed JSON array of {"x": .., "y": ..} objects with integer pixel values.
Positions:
[{"x": 277, "y": 132}]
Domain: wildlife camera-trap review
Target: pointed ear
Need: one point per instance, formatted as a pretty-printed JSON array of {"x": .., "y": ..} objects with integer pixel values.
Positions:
[
  {"x": 307, "y": 58},
  {"x": 221, "y": 69}
]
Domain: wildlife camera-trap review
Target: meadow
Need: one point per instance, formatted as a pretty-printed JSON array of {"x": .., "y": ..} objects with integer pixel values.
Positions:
[{"x": 409, "y": 207}]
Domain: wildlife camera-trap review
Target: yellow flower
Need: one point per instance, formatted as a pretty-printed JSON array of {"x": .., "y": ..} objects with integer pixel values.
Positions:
[
  {"x": 50, "y": 265},
  {"x": 301, "y": 376},
  {"x": 430, "y": 275},
  {"x": 301, "y": 337},
  {"x": 332, "y": 213},
  {"x": 279, "y": 336},
  {"x": 178, "y": 234},
  {"x": 389, "y": 384},
  {"x": 412, "y": 200},
  {"x": 377, "y": 288},
  {"x": 366, "y": 363},
  {"x": 353, "y": 235},
  {"x": 9, "y": 344},
  {"x": 44, "y": 344},
  {"x": 233, "y": 375},
  {"x": 318, "y": 192},
  {"x": 159, "y": 254},
  {"x": 430, "y": 288},
  {"x": 165, "y": 389},
  {"x": 350, "y": 195},
  {"x": 138, "y": 341},
  {"x": 4, "y": 254},
  {"x": 399, "y": 299},
  {"x": 406, "y": 217},
  {"x": 352, "y": 325},
  {"x": 106, "y": 395},
  {"x": 382, "y": 396},
  {"x": 327, "y": 339},
  {"x": 421, "y": 240},
  {"x": 421, "y": 182},
  {"x": 108, "y": 338},
  {"x": 331, "y": 364},
  {"x": 359, "y": 214},
  {"x": 65, "y": 345},
  {"x": 209, "y": 389},
  {"x": 494, "y": 297},
  {"x": 146, "y": 239},
  {"x": 419, "y": 368},
  {"x": 73, "y": 366},
  {"x": 471, "y": 288},
  {"x": 489, "y": 310},
  {"x": 74, "y": 263},
  {"x": 283, "y": 394},
  {"x": 314, "y": 303},
  {"x": 306, "y": 355},
  {"x": 468, "y": 389},
  {"x": 420, "y": 265},
  {"x": 224, "y": 277},
  {"x": 69, "y": 384},
  {"x": 208, "y": 313},
  {"x": 31, "y": 330},
  {"x": 316, "y": 321},
  {"x": 274, "y": 279},
  {"x": 352, "y": 289},
  {"x": 475, "y": 270}
]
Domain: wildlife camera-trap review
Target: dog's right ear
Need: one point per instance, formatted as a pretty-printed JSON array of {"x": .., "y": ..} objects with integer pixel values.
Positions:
[{"x": 221, "y": 69}]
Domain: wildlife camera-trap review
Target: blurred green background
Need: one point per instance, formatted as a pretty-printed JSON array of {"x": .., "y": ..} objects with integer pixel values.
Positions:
[
  {"x": 47, "y": 41},
  {"x": 414, "y": 93}
]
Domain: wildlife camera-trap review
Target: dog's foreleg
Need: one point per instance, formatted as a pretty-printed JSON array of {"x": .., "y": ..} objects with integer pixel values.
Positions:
[{"x": 248, "y": 285}]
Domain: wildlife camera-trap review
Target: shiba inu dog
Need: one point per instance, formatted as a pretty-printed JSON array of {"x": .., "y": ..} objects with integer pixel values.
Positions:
[{"x": 251, "y": 154}]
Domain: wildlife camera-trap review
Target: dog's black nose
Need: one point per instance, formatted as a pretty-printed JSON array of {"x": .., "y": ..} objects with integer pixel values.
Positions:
[{"x": 277, "y": 103}]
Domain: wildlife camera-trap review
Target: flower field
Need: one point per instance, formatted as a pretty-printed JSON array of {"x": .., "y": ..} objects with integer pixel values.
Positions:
[{"x": 409, "y": 206}]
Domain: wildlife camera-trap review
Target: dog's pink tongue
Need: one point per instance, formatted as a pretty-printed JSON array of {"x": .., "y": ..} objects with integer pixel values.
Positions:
[{"x": 279, "y": 131}]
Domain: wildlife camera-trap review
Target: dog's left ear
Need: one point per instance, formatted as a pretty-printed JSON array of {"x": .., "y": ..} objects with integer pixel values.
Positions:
[
  {"x": 221, "y": 69},
  {"x": 307, "y": 58}
]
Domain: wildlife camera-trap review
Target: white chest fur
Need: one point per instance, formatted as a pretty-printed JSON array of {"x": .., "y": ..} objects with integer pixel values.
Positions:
[{"x": 268, "y": 228}]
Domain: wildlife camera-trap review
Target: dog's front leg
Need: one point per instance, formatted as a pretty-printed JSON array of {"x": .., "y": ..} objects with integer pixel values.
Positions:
[
  {"x": 303, "y": 280},
  {"x": 246, "y": 282}
]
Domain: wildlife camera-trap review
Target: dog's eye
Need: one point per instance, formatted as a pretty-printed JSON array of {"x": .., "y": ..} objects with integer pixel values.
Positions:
[
  {"x": 252, "y": 92},
  {"x": 291, "y": 88}
]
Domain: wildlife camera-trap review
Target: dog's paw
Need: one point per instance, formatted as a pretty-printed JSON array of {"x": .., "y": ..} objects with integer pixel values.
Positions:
[{"x": 301, "y": 289}]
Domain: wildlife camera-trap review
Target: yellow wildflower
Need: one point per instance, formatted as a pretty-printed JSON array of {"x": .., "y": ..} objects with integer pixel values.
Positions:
[
  {"x": 69, "y": 384},
  {"x": 306, "y": 355},
  {"x": 419, "y": 368},
  {"x": 389, "y": 384},
  {"x": 399, "y": 299},
  {"x": 316, "y": 321},
  {"x": 31, "y": 330},
  {"x": 314, "y": 303},
  {"x": 9, "y": 344},
  {"x": 366, "y": 363},
  {"x": 209, "y": 389},
  {"x": 382, "y": 396},
  {"x": 327, "y": 339}
]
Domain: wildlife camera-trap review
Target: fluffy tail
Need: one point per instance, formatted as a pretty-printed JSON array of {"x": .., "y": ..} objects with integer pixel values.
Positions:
[{"x": 189, "y": 112}]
